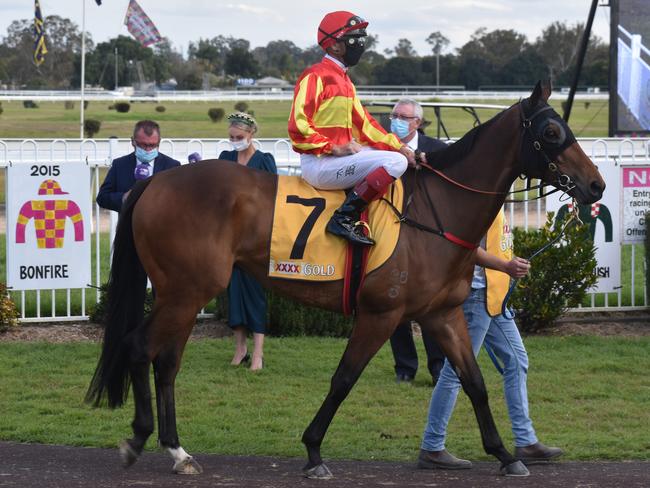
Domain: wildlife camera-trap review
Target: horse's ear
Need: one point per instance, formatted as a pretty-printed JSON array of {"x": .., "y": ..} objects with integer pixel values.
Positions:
[
  {"x": 547, "y": 88},
  {"x": 536, "y": 95}
]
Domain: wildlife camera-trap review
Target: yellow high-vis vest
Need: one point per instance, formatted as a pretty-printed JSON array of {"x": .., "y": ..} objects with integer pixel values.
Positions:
[{"x": 498, "y": 243}]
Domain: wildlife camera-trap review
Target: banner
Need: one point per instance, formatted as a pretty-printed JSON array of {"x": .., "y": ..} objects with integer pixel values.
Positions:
[
  {"x": 48, "y": 226},
  {"x": 39, "y": 44},
  {"x": 600, "y": 218},
  {"x": 140, "y": 25},
  {"x": 636, "y": 202}
]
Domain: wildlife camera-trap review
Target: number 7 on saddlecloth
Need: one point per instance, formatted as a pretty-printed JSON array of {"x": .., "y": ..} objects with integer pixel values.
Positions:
[{"x": 298, "y": 249}]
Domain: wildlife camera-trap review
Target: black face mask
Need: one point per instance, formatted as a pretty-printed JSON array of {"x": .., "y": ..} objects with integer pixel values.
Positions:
[{"x": 354, "y": 49}]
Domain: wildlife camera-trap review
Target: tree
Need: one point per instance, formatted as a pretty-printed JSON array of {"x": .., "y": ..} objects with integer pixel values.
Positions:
[
  {"x": 404, "y": 49},
  {"x": 63, "y": 40},
  {"x": 211, "y": 53},
  {"x": 484, "y": 56},
  {"x": 558, "y": 47},
  {"x": 240, "y": 61},
  {"x": 438, "y": 44}
]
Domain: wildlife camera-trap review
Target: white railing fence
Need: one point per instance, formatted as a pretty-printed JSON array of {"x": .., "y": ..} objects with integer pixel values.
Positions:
[{"x": 58, "y": 305}]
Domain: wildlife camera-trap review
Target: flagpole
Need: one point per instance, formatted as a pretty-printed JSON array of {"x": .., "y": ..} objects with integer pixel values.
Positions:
[{"x": 83, "y": 66}]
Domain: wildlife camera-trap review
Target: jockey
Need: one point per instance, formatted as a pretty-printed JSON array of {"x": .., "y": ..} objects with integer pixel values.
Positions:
[{"x": 336, "y": 135}]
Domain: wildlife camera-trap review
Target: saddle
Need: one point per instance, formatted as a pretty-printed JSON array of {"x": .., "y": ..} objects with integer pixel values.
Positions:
[{"x": 301, "y": 249}]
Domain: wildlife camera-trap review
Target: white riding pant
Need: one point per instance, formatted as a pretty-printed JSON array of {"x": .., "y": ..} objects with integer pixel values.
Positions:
[{"x": 343, "y": 172}]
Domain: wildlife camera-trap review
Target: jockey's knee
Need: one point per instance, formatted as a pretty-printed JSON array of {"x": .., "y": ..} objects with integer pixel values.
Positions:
[{"x": 396, "y": 165}]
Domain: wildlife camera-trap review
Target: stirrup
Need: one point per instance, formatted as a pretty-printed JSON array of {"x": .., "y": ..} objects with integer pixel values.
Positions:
[{"x": 366, "y": 226}]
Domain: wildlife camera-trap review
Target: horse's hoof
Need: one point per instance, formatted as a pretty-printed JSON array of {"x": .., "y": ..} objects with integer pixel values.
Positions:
[
  {"x": 187, "y": 466},
  {"x": 318, "y": 472},
  {"x": 515, "y": 469},
  {"x": 127, "y": 454}
]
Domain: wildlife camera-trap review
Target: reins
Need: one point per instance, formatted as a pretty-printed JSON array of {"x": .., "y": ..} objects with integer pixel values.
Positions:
[{"x": 574, "y": 218}]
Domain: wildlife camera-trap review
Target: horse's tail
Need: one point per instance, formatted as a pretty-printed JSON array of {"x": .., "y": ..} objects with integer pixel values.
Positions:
[{"x": 124, "y": 312}]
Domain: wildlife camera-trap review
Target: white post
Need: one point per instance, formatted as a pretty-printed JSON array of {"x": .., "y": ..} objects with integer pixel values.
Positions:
[
  {"x": 83, "y": 66},
  {"x": 635, "y": 76}
]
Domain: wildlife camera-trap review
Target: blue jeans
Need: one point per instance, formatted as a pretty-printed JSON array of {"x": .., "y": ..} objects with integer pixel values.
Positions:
[{"x": 503, "y": 338}]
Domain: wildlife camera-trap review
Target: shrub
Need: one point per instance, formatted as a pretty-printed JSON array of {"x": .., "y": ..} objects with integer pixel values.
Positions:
[
  {"x": 111, "y": 107},
  {"x": 160, "y": 108},
  {"x": 559, "y": 277},
  {"x": 216, "y": 114},
  {"x": 29, "y": 104},
  {"x": 241, "y": 107},
  {"x": 68, "y": 104},
  {"x": 91, "y": 127},
  {"x": 1, "y": 109},
  {"x": 122, "y": 107},
  {"x": 86, "y": 103},
  {"x": 288, "y": 318},
  {"x": 8, "y": 311},
  {"x": 97, "y": 313}
]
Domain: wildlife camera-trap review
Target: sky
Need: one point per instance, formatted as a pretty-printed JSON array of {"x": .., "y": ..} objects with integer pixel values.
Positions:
[{"x": 261, "y": 21}]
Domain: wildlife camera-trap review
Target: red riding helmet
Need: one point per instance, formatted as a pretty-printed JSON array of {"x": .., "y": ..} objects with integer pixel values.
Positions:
[{"x": 337, "y": 24}]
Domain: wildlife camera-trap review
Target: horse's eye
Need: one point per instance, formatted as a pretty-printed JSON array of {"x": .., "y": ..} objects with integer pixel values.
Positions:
[{"x": 549, "y": 133}]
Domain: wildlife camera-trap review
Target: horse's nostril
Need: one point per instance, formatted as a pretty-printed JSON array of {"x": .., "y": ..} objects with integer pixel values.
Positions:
[{"x": 597, "y": 188}]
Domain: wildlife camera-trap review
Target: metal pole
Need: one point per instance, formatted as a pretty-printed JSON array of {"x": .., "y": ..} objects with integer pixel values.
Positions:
[
  {"x": 83, "y": 66},
  {"x": 581, "y": 57},
  {"x": 115, "y": 68},
  {"x": 437, "y": 71}
]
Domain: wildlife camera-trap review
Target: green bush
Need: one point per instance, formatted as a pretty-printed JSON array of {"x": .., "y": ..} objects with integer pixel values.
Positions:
[
  {"x": 122, "y": 107},
  {"x": 86, "y": 103},
  {"x": 29, "y": 104},
  {"x": 8, "y": 311},
  {"x": 216, "y": 114},
  {"x": 1, "y": 109},
  {"x": 241, "y": 107},
  {"x": 111, "y": 106},
  {"x": 160, "y": 108},
  {"x": 288, "y": 318},
  {"x": 68, "y": 104},
  {"x": 91, "y": 127},
  {"x": 559, "y": 277},
  {"x": 98, "y": 312}
]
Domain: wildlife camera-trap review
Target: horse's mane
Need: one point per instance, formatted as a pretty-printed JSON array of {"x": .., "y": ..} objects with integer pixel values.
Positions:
[{"x": 455, "y": 152}]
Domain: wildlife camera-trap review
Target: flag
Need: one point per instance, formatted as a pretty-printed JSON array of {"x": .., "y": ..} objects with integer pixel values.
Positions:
[
  {"x": 39, "y": 45},
  {"x": 140, "y": 25}
]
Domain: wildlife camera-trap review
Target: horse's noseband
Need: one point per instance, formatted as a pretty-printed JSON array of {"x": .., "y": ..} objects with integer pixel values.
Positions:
[{"x": 549, "y": 139}]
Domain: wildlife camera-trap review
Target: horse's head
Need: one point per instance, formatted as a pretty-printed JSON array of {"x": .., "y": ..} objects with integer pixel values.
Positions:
[{"x": 551, "y": 153}]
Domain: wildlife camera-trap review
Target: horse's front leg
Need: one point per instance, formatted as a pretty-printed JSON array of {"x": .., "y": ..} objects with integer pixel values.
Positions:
[
  {"x": 370, "y": 333},
  {"x": 450, "y": 330}
]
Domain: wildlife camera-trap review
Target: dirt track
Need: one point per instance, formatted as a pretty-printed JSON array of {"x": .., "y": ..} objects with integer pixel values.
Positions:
[{"x": 39, "y": 466}]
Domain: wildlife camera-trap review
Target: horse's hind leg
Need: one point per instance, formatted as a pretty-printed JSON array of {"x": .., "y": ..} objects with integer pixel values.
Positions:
[
  {"x": 450, "y": 331},
  {"x": 170, "y": 342},
  {"x": 369, "y": 334},
  {"x": 142, "y": 425}
]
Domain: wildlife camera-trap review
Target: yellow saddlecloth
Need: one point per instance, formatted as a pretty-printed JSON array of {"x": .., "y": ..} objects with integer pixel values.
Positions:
[{"x": 300, "y": 247}]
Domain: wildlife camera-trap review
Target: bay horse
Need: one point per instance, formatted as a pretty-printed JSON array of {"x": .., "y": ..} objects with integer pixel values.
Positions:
[{"x": 186, "y": 228}]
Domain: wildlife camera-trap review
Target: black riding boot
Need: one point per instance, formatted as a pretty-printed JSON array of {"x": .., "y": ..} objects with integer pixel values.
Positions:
[{"x": 344, "y": 221}]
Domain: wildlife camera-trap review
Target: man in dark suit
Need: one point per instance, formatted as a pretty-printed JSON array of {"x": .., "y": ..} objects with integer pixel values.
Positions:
[
  {"x": 405, "y": 120},
  {"x": 142, "y": 163}
]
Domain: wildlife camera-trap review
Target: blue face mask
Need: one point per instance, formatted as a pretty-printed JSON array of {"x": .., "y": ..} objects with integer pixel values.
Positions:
[
  {"x": 399, "y": 127},
  {"x": 145, "y": 156}
]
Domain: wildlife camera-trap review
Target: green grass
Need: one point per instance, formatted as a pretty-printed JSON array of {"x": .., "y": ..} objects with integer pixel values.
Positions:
[
  {"x": 190, "y": 119},
  {"x": 588, "y": 395}
]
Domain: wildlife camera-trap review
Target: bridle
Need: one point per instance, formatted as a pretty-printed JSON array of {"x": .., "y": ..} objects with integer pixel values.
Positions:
[
  {"x": 563, "y": 181},
  {"x": 533, "y": 128}
]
